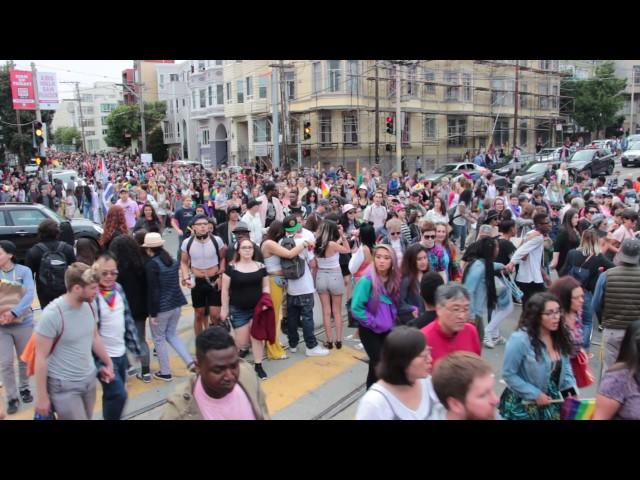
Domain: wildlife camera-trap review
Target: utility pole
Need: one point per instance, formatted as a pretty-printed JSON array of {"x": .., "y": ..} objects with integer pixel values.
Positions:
[
  {"x": 34, "y": 74},
  {"x": 398, "y": 123},
  {"x": 275, "y": 133},
  {"x": 377, "y": 120},
  {"x": 79, "y": 100},
  {"x": 283, "y": 111},
  {"x": 632, "y": 128},
  {"x": 18, "y": 122},
  {"x": 143, "y": 134},
  {"x": 516, "y": 103}
]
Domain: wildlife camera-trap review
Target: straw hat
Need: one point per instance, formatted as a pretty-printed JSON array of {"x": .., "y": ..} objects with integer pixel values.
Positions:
[{"x": 153, "y": 240}]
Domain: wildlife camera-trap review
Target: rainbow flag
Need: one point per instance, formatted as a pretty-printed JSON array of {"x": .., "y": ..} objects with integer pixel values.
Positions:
[
  {"x": 578, "y": 409},
  {"x": 324, "y": 188}
]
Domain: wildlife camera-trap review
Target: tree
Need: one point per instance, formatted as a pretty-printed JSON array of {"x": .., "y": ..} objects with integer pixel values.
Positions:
[
  {"x": 123, "y": 123},
  {"x": 65, "y": 136},
  {"x": 15, "y": 142},
  {"x": 156, "y": 145},
  {"x": 597, "y": 100}
]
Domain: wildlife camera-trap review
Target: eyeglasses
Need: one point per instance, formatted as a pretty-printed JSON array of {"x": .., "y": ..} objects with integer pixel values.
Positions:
[
  {"x": 201, "y": 224},
  {"x": 593, "y": 212},
  {"x": 107, "y": 273},
  {"x": 427, "y": 237},
  {"x": 458, "y": 310},
  {"x": 394, "y": 233},
  {"x": 552, "y": 313}
]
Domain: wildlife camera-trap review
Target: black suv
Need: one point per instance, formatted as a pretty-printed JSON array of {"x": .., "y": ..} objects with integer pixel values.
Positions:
[{"x": 19, "y": 223}]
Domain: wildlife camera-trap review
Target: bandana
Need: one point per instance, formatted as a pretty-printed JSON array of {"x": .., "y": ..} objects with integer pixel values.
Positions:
[{"x": 109, "y": 295}]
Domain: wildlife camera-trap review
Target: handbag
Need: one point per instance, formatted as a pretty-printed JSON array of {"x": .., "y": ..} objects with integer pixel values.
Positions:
[
  {"x": 11, "y": 294},
  {"x": 28, "y": 355},
  {"x": 580, "y": 273},
  {"x": 581, "y": 370},
  {"x": 515, "y": 291}
]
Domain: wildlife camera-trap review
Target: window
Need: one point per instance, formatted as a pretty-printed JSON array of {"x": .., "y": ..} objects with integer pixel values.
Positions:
[
  {"x": 636, "y": 74},
  {"x": 502, "y": 91},
  {"x": 393, "y": 75},
  {"x": 201, "y": 65},
  {"x": 27, "y": 217},
  {"x": 554, "y": 98},
  {"x": 218, "y": 62},
  {"x": 173, "y": 77},
  {"x": 453, "y": 91},
  {"x": 412, "y": 86},
  {"x": 178, "y": 125},
  {"x": 524, "y": 134},
  {"x": 202, "y": 94},
  {"x": 429, "y": 128},
  {"x": 239, "y": 91},
  {"x": 87, "y": 110},
  {"x": 467, "y": 90},
  {"x": 90, "y": 133},
  {"x": 353, "y": 79},
  {"x": 350, "y": 128},
  {"x": 501, "y": 132},
  {"x": 335, "y": 75},
  {"x": 524, "y": 98},
  {"x": 261, "y": 130},
  {"x": 405, "y": 127},
  {"x": 210, "y": 95},
  {"x": 88, "y": 122},
  {"x": 184, "y": 102},
  {"x": 457, "y": 131},
  {"x": 104, "y": 132},
  {"x": 325, "y": 128},
  {"x": 177, "y": 107},
  {"x": 205, "y": 136},
  {"x": 161, "y": 80},
  {"x": 229, "y": 100},
  {"x": 262, "y": 87},
  {"x": 543, "y": 99},
  {"x": 87, "y": 98},
  {"x": 290, "y": 85},
  {"x": 103, "y": 121},
  {"x": 193, "y": 99},
  {"x": 219, "y": 94},
  {"x": 522, "y": 63},
  {"x": 429, "y": 76},
  {"x": 545, "y": 64},
  {"x": 249, "y": 81},
  {"x": 107, "y": 107},
  {"x": 317, "y": 77}
]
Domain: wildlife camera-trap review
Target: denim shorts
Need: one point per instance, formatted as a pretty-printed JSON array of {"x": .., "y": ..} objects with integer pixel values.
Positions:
[
  {"x": 330, "y": 281},
  {"x": 238, "y": 317}
]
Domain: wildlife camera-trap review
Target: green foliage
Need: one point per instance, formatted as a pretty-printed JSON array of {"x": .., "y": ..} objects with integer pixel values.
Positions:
[
  {"x": 12, "y": 139},
  {"x": 597, "y": 100},
  {"x": 123, "y": 123},
  {"x": 65, "y": 136},
  {"x": 156, "y": 145}
]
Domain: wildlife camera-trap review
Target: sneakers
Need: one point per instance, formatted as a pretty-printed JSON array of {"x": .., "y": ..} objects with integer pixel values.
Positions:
[
  {"x": 164, "y": 378},
  {"x": 317, "y": 351},
  {"x": 132, "y": 372},
  {"x": 293, "y": 349},
  {"x": 243, "y": 352},
  {"x": 499, "y": 340},
  {"x": 262, "y": 375},
  {"x": 145, "y": 377},
  {"x": 489, "y": 343},
  {"x": 26, "y": 396},
  {"x": 12, "y": 406},
  {"x": 359, "y": 346}
]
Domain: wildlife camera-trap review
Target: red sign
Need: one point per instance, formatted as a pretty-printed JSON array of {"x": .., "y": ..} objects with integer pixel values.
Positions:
[{"x": 22, "y": 90}]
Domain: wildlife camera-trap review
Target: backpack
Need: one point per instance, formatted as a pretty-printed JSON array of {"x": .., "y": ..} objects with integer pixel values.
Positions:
[
  {"x": 52, "y": 267},
  {"x": 215, "y": 245},
  {"x": 292, "y": 268}
]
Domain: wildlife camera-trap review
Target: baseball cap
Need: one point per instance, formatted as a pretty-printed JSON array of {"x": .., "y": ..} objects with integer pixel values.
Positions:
[
  {"x": 347, "y": 208},
  {"x": 241, "y": 227},
  {"x": 291, "y": 224},
  {"x": 629, "y": 251},
  {"x": 492, "y": 215},
  {"x": 362, "y": 187}
]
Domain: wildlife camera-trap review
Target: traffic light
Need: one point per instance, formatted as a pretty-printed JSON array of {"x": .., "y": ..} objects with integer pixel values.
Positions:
[
  {"x": 390, "y": 128},
  {"x": 38, "y": 161},
  {"x": 38, "y": 133},
  {"x": 307, "y": 130}
]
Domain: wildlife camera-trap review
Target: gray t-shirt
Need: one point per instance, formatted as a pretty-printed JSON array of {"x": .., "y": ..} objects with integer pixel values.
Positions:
[{"x": 71, "y": 359}]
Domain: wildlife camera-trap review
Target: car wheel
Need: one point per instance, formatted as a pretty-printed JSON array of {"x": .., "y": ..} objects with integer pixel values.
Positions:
[
  {"x": 610, "y": 168},
  {"x": 624, "y": 164}
]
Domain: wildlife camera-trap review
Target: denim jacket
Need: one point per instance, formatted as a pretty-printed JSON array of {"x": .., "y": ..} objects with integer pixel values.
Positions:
[
  {"x": 527, "y": 375},
  {"x": 475, "y": 283}
]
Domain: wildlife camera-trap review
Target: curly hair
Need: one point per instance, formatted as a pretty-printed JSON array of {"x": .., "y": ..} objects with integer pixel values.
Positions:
[
  {"x": 115, "y": 221},
  {"x": 531, "y": 319}
]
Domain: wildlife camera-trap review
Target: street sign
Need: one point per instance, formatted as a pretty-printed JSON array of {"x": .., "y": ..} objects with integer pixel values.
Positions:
[
  {"x": 48, "y": 90},
  {"x": 22, "y": 90},
  {"x": 261, "y": 150}
]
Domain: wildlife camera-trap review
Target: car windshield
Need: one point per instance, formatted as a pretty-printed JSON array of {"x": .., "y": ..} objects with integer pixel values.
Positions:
[
  {"x": 547, "y": 151},
  {"x": 582, "y": 155},
  {"x": 446, "y": 168},
  {"x": 51, "y": 214},
  {"x": 536, "y": 167},
  {"x": 634, "y": 146}
]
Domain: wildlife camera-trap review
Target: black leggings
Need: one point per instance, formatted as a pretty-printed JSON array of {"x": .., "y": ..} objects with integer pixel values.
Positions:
[
  {"x": 530, "y": 289},
  {"x": 372, "y": 343}
]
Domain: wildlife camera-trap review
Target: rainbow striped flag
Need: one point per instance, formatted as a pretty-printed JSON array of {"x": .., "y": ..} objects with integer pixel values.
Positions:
[
  {"x": 578, "y": 409},
  {"x": 324, "y": 188}
]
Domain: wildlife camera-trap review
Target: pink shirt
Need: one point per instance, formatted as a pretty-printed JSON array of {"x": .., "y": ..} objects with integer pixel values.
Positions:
[
  {"x": 622, "y": 233},
  {"x": 235, "y": 406},
  {"x": 130, "y": 209},
  {"x": 466, "y": 340}
]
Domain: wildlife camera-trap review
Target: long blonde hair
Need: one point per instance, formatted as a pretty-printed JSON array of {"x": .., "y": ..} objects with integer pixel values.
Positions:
[{"x": 589, "y": 243}]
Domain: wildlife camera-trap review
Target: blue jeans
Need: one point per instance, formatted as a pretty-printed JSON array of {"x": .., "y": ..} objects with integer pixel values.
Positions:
[
  {"x": 86, "y": 211},
  {"x": 114, "y": 393},
  {"x": 165, "y": 332},
  {"x": 587, "y": 319},
  {"x": 460, "y": 231},
  {"x": 300, "y": 307}
]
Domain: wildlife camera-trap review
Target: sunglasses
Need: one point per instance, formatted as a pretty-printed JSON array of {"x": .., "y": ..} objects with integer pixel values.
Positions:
[
  {"x": 394, "y": 233},
  {"x": 427, "y": 237}
]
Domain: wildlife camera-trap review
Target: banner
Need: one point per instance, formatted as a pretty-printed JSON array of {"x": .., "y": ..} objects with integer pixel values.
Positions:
[
  {"x": 22, "y": 90},
  {"x": 48, "y": 91}
]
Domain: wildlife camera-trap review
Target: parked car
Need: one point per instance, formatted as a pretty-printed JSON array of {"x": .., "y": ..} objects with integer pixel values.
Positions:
[
  {"x": 631, "y": 157},
  {"x": 594, "y": 161},
  {"x": 19, "y": 223},
  {"x": 453, "y": 170},
  {"x": 548, "y": 154},
  {"x": 533, "y": 173},
  {"x": 632, "y": 139}
]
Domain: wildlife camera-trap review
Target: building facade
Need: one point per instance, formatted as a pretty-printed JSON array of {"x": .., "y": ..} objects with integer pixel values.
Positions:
[{"x": 630, "y": 69}]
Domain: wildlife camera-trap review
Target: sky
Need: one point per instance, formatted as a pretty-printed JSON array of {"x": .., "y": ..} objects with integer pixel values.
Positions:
[{"x": 87, "y": 72}]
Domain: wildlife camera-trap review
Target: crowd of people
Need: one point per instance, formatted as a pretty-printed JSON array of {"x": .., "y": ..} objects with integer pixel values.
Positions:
[{"x": 427, "y": 272}]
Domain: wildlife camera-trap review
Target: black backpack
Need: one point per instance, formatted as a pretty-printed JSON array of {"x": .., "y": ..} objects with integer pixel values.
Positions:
[
  {"x": 292, "y": 268},
  {"x": 215, "y": 245},
  {"x": 53, "y": 265}
]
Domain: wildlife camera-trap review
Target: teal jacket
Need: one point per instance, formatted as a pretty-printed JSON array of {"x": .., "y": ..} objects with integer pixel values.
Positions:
[{"x": 378, "y": 320}]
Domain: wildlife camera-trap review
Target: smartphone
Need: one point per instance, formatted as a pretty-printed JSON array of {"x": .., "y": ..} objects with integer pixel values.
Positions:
[{"x": 569, "y": 392}]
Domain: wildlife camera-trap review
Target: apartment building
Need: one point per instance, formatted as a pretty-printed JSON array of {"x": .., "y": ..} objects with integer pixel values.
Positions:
[{"x": 630, "y": 69}]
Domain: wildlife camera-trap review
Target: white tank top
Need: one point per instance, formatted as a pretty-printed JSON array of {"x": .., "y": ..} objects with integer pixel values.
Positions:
[
  {"x": 332, "y": 262},
  {"x": 273, "y": 264}
]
